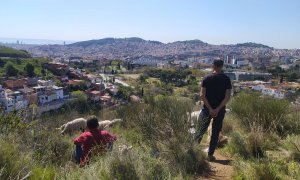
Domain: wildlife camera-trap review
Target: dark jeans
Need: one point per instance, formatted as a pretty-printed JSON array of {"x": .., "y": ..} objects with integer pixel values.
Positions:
[
  {"x": 79, "y": 152},
  {"x": 203, "y": 123}
]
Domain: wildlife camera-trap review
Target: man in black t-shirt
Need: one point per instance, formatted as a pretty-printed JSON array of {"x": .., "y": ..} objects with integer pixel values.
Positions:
[{"x": 215, "y": 93}]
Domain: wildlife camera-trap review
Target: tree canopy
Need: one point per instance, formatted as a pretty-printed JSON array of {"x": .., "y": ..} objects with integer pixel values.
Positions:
[
  {"x": 11, "y": 70},
  {"x": 29, "y": 68}
]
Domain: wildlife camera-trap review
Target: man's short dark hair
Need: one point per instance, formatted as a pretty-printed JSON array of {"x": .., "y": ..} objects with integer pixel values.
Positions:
[
  {"x": 92, "y": 122},
  {"x": 218, "y": 62}
]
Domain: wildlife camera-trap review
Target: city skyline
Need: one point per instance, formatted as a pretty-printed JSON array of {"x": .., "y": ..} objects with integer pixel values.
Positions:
[{"x": 273, "y": 23}]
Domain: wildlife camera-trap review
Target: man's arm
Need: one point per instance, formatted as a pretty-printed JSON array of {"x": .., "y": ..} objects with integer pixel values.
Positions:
[
  {"x": 78, "y": 141},
  {"x": 203, "y": 97},
  {"x": 111, "y": 137},
  {"x": 225, "y": 100}
]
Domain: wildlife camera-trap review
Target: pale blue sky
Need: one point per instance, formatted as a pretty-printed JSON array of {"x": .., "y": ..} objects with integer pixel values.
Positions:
[{"x": 271, "y": 22}]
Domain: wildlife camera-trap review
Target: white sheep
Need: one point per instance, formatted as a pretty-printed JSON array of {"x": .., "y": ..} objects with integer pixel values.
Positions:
[
  {"x": 74, "y": 125},
  {"x": 194, "y": 119},
  {"x": 80, "y": 124},
  {"x": 108, "y": 123}
]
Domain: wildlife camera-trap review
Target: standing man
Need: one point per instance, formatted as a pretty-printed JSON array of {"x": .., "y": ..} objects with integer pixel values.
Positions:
[{"x": 215, "y": 93}]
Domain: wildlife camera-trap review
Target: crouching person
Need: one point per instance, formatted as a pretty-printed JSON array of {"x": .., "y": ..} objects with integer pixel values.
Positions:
[{"x": 92, "y": 142}]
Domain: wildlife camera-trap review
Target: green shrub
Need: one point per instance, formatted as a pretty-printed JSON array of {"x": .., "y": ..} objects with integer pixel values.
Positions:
[
  {"x": 269, "y": 113},
  {"x": 79, "y": 103},
  {"x": 123, "y": 170},
  {"x": 253, "y": 144},
  {"x": 265, "y": 171},
  {"x": 192, "y": 162},
  {"x": 237, "y": 145},
  {"x": 13, "y": 122},
  {"x": 133, "y": 136},
  {"x": 129, "y": 114},
  {"x": 294, "y": 169},
  {"x": 155, "y": 169},
  {"x": 292, "y": 122},
  {"x": 47, "y": 173},
  {"x": 13, "y": 161},
  {"x": 229, "y": 124},
  {"x": 11, "y": 70},
  {"x": 257, "y": 170},
  {"x": 292, "y": 145},
  {"x": 163, "y": 123},
  {"x": 255, "y": 140},
  {"x": 52, "y": 148}
]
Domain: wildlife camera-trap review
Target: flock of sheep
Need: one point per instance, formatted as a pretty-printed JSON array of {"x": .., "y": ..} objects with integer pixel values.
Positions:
[{"x": 80, "y": 124}]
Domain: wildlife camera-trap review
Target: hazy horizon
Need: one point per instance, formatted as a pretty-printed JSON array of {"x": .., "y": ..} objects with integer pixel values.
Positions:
[
  {"x": 270, "y": 22},
  {"x": 61, "y": 42}
]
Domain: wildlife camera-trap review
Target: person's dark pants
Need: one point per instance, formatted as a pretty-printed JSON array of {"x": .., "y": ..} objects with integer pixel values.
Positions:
[
  {"x": 110, "y": 146},
  {"x": 78, "y": 154},
  {"x": 203, "y": 123}
]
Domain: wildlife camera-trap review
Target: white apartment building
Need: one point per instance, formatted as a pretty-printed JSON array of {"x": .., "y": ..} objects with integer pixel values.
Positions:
[
  {"x": 11, "y": 100},
  {"x": 278, "y": 94},
  {"x": 48, "y": 94},
  {"x": 258, "y": 87}
]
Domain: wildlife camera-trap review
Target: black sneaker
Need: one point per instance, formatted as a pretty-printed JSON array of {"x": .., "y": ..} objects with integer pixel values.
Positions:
[{"x": 211, "y": 158}]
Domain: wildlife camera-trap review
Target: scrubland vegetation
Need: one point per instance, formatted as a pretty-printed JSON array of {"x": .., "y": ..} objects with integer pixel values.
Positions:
[
  {"x": 157, "y": 130},
  {"x": 264, "y": 136}
]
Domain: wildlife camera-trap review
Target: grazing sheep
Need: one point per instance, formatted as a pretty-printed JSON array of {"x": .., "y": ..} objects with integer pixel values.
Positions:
[
  {"x": 108, "y": 123},
  {"x": 194, "y": 119},
  {"x": 74, "y": 125},
  {"x": 80, "y": 124}
]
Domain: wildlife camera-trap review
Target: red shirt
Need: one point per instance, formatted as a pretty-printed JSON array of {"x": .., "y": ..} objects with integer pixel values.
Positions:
[{"x": 93, "y": 138}]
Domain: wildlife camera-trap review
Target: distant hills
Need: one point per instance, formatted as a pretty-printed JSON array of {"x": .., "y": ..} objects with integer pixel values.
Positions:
[
  {"x": 112, "y": 48},
  {"x": 111, "y": 41},
  {"x": 253, "y": 45},
  {"x": 10, "y": 52}
]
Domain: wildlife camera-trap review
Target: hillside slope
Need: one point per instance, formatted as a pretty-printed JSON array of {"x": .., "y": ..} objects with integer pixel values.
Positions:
[{"x": 10, "y": 52}]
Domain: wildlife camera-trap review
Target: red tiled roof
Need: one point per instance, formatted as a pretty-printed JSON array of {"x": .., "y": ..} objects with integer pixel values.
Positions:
[{"x": 95, "y": 92}]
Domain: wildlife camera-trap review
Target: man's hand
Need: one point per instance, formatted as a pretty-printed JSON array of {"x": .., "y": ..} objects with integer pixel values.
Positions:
[{"x": 213, "y": 112}]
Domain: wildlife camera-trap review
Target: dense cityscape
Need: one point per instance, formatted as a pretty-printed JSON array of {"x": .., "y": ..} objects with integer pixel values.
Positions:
[
  {"x": 149, "y": 90},
  {"x": 246, "y": 64}
]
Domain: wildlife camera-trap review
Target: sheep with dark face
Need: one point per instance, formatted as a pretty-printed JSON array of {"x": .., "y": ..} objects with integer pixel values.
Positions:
[{"x": 79, "y": 124}]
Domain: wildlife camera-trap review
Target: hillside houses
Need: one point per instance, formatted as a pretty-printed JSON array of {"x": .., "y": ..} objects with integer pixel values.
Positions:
[
  {"x": 47, "y": 94},
  {"x": 280, "y": 91},
  {"x": 278, "y": 94},
  {"x": 11, "y": 100},
  {"x": 22, "y": 96},
  {"x": 58, "y": 69},
  {"x": 248, "y": 76}
]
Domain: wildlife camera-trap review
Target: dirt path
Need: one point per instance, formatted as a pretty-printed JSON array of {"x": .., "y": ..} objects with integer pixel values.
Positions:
[{"x": 222, "y": 168}]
